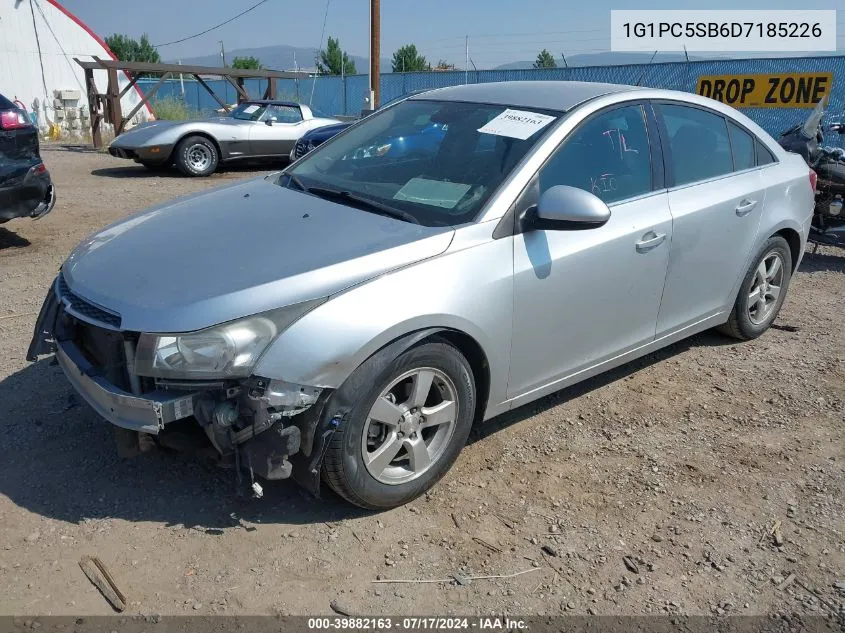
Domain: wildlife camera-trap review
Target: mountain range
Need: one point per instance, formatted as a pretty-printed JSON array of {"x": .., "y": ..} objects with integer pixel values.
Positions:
[{"x": 285, "y": 57}]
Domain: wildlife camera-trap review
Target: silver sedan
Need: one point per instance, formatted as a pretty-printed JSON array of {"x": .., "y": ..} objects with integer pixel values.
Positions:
[{"x": 349, "y": 319}]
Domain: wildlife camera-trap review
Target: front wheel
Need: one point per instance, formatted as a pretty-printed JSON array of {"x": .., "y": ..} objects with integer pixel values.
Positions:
[
  {"x": 196, "y": 156},
  {"x": 763, "y": 291},
  {"x": 409, "y": 420}
]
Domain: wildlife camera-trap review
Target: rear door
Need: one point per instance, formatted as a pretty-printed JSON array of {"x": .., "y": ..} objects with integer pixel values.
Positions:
[{"x": 716, "y": 197}]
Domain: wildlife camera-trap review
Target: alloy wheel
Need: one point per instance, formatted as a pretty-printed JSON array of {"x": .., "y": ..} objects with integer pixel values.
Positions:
[
  {"x": 765, "y": 288},
  {"x": 410, "y": 425}
]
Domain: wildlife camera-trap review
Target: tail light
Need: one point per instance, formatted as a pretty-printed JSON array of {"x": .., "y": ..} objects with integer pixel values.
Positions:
[
  {"x": 814, "y": 177},
  {"x": 40, "y": 168},
  {"x": 13, "y": 120}
]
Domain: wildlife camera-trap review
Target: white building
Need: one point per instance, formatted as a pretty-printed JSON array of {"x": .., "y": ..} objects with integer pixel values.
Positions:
[{"x": 38, "y": 42}]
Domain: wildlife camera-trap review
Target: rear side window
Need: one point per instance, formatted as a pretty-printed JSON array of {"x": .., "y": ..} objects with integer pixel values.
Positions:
[
  {"x": 608, "y": 155},
  {"x": 742, "y": 147},
  {"x": 5, "y": 104},
  {"x": 764, "y": 155},
  {"x": 699, "y": 143}
]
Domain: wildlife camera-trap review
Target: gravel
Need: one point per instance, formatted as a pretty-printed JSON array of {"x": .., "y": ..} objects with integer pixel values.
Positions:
[{"x": 682, "y": 461}]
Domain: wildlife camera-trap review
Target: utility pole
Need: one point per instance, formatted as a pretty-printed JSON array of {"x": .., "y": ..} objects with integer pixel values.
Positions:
[
  {"x": 466, "y": 62},
  {"x": 222, "y": 53},
  {"x": 375, "y": 52}
]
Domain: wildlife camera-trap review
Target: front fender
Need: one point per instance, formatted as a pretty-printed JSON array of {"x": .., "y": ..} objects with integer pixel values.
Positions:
[{"x": 468, "y": 289}]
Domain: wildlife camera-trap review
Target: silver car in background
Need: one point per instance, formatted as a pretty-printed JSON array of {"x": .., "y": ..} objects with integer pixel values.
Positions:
[
  {"x": 348, "y": 320},
  {"x": 260, "y": 129}
]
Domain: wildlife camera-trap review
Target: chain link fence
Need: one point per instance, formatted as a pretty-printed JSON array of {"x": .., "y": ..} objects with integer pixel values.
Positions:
[{"x": 336, "y": 95}]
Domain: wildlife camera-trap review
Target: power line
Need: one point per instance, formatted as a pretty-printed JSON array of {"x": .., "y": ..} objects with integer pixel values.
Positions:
[{"x": 232, "y": 19}]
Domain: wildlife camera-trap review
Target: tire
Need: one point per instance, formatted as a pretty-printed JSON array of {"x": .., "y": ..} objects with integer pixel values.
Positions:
[
  {"x": 749, "y": 318},
  {"x": 196, "y": 156},
  {"x": 393, "y": 482}
]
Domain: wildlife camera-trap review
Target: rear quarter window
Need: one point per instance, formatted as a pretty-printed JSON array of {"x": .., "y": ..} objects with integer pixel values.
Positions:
[
  {"x": 5, "y": 104},
  {"x": 764, "y": 155},
  {"x": 742, "y": 147}
]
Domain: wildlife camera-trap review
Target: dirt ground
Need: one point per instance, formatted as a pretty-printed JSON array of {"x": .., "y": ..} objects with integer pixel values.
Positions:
[{"x": 652, "y": 489}]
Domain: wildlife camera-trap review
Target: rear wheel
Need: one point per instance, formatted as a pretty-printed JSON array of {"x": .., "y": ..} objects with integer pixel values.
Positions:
[
  {"x": 196, "y": 156},
  {"x": 763, "y": 291},
  {"x": 409, "y": 421}
]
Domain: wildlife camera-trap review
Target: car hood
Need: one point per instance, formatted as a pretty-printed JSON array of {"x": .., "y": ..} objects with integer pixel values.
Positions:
[
  {"x": 147, "y": 131},
  {"x": 326, "y": 131},
  {"x": 254, "y": 246}
]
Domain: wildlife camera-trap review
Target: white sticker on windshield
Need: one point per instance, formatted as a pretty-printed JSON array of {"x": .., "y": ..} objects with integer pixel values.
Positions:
[
  {"x": 432, "y": 192},
  {"x": 250, "y": 109},
  {"x": 519, "y": 124}
]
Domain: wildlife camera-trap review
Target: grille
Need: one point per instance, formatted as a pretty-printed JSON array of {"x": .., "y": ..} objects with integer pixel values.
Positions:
[
  {"x": 85, "y": 310},
  {"x": 299, "y": 149}
]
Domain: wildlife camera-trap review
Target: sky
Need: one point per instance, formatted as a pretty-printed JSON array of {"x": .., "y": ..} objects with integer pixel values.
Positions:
[{"x": 499, "y": 31}]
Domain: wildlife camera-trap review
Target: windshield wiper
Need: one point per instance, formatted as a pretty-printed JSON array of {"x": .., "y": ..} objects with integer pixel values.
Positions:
[
  {"x": 361, "y": 202},
  {"x": 295, "y": 180}
]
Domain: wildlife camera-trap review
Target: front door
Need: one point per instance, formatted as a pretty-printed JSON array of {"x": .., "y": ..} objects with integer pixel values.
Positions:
[
  {"x": 277, "y": 138},
  {"x": 585, "y": 296}
]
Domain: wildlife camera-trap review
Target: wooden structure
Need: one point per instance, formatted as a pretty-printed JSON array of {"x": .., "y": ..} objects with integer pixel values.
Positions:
[{"x": 107, "y": 106}]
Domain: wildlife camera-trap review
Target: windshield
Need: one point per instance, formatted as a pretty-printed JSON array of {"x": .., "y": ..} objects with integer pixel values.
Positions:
[
  {"x": 811, "y": 125},
  {"x": 435, "y": 162},
  {"x": 249, "y": 111}
]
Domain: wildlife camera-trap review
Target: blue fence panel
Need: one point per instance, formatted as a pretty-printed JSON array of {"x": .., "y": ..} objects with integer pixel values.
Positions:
[{"x": 346, "y": 96}]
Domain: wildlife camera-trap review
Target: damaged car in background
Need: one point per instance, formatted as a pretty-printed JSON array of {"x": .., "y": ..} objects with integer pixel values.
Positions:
[{"x": 347, "y": 321}]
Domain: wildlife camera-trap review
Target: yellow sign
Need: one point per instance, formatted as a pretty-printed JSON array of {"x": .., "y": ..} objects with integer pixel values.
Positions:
[{"x": 789, "y": 90}]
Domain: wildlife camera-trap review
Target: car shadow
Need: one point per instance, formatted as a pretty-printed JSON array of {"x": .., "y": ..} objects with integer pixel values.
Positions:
[
  {"x": 61, "y": 461},
  {"x": 709, "y": 338},
  {"x": 834, "y": 261},
  {"x": 10, "y": 239},
  {"x": 133, "y": 170}
]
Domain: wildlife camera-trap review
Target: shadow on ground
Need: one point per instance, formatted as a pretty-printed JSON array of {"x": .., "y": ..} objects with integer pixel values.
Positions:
[
  {"x": 134, "y": 170},
  {"x": 833, "y": 259},
  {"x": 61, "y": 460},
  {"x": 10, "y": 239}
]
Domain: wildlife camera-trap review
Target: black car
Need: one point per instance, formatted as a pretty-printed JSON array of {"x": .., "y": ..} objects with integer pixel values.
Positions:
[{"x": 26, "y": 189}]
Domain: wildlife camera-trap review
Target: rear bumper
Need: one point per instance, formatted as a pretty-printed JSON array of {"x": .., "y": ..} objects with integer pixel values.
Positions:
[
  {"x": 33, "y": 197},
  {"x": 148, "y": 413}
]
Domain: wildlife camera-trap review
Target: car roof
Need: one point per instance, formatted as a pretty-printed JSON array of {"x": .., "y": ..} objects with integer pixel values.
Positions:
[
  {"x": 274, "y": 102},
  {"x": 547, "y": 95}
]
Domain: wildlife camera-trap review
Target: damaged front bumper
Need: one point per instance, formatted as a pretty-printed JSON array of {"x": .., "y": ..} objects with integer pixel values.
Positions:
[
  {"x": 146, "y": 414},
  {"x": 257, "y": 422}
]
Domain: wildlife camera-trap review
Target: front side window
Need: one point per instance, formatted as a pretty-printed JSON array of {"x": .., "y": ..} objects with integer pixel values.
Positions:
[
  {"x": 699, "y": 144},
  {"x": 432, "y": 162},
  {"x": 283, "y": 113},
  {"x": 608, "y": 155},
  {"x": 742, "y": 147},
  {"x": 248, "y": 111}
]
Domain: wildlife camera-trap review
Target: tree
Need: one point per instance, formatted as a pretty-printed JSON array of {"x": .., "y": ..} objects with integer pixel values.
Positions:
[
  {"x": 545, "y": 60},
  {"x": 128, "y": 49},
  {"x": 248, "y": 63},
  {"x": 408, "y": 60},
  {"x": 334, "y": 61}
]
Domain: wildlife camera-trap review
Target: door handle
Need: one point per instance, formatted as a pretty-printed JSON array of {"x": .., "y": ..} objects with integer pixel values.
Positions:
[
  {"x": 650, "y": 240},
  {"x": 745, "y": 207}
]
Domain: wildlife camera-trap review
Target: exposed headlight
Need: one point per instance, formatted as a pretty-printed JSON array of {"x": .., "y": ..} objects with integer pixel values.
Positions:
[{"x": 229, "y": 350}]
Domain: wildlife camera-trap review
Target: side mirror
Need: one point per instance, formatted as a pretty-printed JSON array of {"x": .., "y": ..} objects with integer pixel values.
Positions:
[
  {"x": 271, "y": 120},
  {"x": 563, "y": 208}
]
